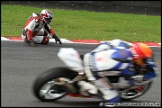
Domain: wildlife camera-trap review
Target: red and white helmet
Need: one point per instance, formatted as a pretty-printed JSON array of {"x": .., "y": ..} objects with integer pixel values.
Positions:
[{"x": 47, "y": 16}]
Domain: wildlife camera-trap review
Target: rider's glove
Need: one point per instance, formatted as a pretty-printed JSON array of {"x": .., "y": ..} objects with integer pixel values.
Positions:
[
  {"x": 145, "y": 68},
  {"x": 56, "y": 39}
]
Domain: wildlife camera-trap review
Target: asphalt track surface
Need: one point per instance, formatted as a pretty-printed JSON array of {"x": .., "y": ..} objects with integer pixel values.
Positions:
[{"x": 21, "y": 64}]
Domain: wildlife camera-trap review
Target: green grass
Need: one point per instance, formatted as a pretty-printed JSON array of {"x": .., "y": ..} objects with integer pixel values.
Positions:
[{"x": 75, "y": 24}]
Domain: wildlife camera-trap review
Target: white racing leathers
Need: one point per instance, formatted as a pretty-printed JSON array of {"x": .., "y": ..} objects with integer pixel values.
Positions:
[{"x": 107, "y": 57}]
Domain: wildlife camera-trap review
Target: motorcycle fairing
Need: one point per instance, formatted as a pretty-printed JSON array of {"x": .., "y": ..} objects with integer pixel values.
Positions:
[
  {"x": 122, "y": 55},
  {"x": 149, "y": 75},
  {"x": 71, "y": 58},
  {"x": 152, "y": 70},
  {"x": 112, "y": 60}
]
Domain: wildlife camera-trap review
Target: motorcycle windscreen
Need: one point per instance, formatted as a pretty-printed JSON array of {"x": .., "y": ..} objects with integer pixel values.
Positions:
[{"x": 122, "y": 55}]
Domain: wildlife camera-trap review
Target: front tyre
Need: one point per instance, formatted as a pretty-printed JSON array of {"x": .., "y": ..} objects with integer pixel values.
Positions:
[
  {"x": 45, "y": 88},
  {"x": 135, "y": 91}
]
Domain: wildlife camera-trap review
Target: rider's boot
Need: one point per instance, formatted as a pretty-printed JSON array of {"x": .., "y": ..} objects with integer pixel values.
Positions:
[
  {"x": 33, "y": 44},
  {"x": 106, "y": 90},
  {"x": 113, "y": 102},
  {"x": 25, "y": 40},
  {"x": 115, "y": 99},
  {"x": 87, "y": 88}
]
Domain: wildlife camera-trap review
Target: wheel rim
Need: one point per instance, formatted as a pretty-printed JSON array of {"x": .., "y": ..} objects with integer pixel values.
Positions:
[
  {"x": 49, "y": 91},
  {"x": 132, "y": 93}
]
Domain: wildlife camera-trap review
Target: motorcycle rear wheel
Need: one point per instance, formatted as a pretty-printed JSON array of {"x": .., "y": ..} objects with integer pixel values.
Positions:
[{"x": 44, "y": 87}]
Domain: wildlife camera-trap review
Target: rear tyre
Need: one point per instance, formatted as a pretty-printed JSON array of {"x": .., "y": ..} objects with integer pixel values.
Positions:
[{"x": 44, "y": 87}]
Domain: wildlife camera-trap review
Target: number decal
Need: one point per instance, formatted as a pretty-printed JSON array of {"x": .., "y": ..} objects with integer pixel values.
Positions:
[{"x": 103, "y": 58}]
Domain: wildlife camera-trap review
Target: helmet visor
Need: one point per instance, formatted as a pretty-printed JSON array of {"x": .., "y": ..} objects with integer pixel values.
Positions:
[{"x": 48, "y": 20}]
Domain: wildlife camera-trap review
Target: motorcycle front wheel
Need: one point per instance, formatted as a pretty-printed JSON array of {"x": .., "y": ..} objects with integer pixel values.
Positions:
[
  {"x": 135, "y": 91},
  {"x": 45, "y": 87}
]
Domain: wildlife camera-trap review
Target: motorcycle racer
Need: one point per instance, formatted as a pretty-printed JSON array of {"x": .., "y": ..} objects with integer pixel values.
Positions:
[
  {"x": 37, "y": 29},
  {"x": 132, "y": 58}
]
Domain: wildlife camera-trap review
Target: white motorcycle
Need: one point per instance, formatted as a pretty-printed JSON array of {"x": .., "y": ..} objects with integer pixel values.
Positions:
[{"x": 58, "y": 82}]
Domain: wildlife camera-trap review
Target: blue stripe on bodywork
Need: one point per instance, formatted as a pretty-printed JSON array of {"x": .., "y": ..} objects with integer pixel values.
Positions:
[
  {"x": 123, "y": 44},
  {"x": 117, "y": 66},
  {"x": 121, "y": 54},
  {"x": 127, "y": 72},
  {"x": 106, "y": 43}
]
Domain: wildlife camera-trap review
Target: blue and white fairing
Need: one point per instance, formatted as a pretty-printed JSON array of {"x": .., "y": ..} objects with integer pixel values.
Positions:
[{"x": 115, "y": 59}]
